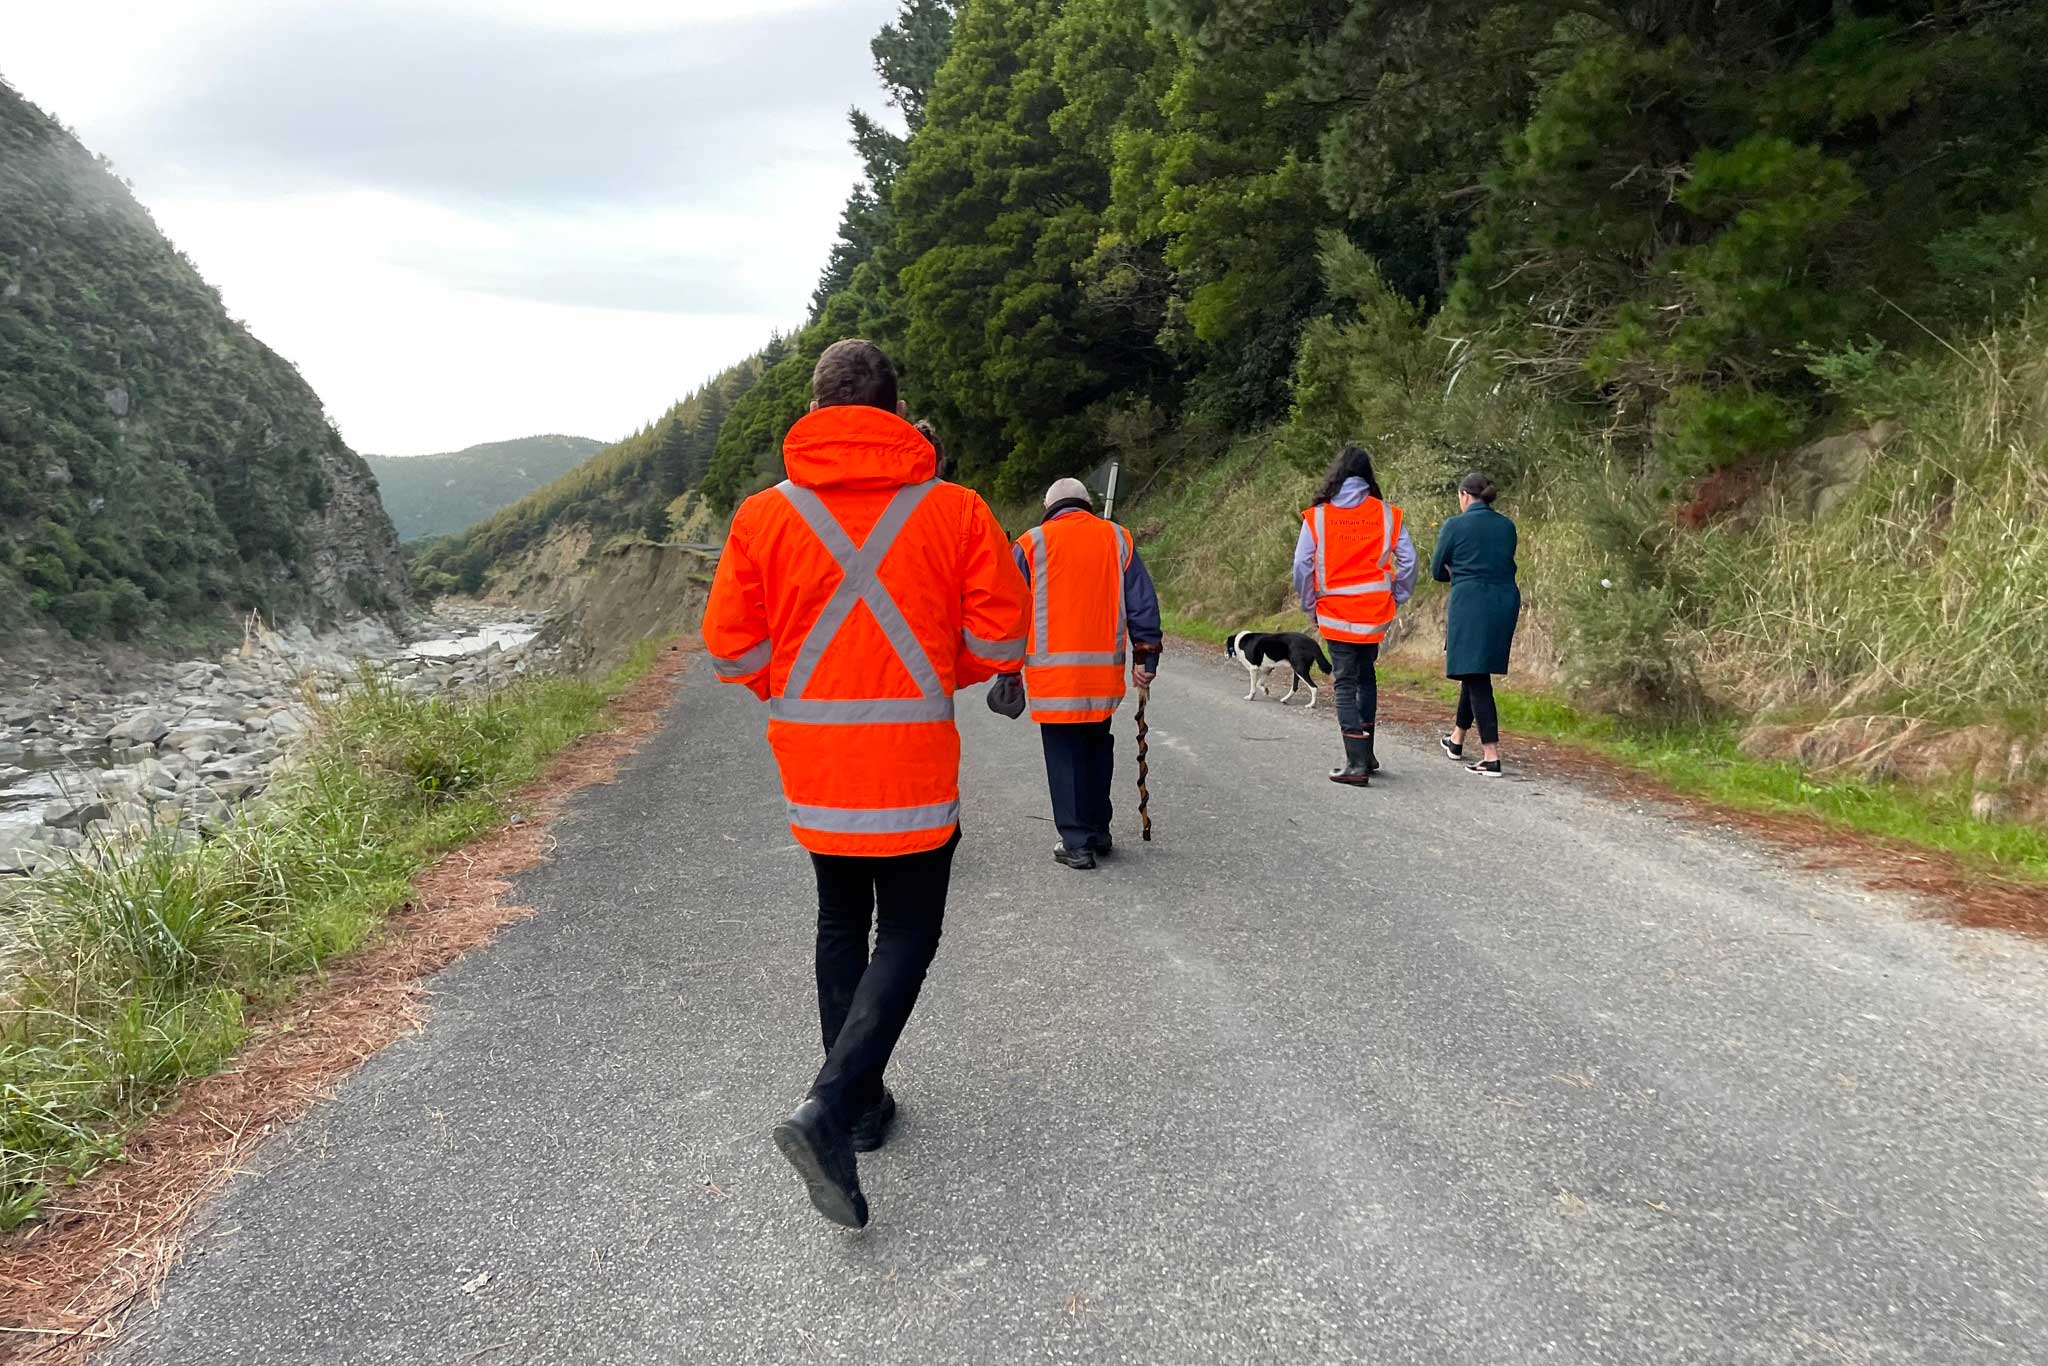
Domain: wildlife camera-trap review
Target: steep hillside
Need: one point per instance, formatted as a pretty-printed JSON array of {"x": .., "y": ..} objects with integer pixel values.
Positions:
[
  {"x": 434, "y": 495},
  {"x": 630, "y": 489},
  {"x": 158, "y": 464}
]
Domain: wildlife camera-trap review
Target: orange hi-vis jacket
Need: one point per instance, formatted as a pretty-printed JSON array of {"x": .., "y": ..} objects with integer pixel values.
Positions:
[
  {"x": 1074, "y": 665},
  {"x": 1354, "y": 575},
  {"x": 855, "y": 597}
]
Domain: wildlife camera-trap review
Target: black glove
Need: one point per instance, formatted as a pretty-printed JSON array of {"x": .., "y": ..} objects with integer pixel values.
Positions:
[{"x": 1006, "y": 695}]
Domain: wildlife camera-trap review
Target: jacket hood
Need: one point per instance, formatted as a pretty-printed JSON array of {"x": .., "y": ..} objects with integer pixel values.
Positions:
[
  {"x": 857, "y": 447},
  {"x": 1354, "y": 492}
]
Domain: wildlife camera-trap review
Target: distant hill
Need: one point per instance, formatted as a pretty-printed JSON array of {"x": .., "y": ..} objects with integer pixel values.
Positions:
[
  {"x": 157, "y": 463},
  {"x": 631, "y": 488},
  {"x": 432, "y": 495}
]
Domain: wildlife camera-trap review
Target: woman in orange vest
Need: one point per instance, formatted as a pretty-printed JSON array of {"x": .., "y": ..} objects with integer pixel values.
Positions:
[
  {"x": 1353, "y": 568},
  {"x": 855, "y": 598},
  {"x": 1093, "y": 610}
]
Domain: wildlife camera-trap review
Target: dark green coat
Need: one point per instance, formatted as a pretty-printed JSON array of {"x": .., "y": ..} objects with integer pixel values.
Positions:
[{"x": 1475, "y": 555}]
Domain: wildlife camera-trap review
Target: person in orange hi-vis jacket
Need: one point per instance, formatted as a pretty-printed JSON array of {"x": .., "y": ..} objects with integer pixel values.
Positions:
[
  {"x": 1093, "y": 611},
  {"x": 855, "y": 598}
]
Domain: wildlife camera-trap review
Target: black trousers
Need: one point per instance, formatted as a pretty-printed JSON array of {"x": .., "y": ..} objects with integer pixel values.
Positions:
[
  {"x": 864, "y": 1001},
  {"x": 1475, "y": 703},
  {"x": 1357, "y": 685},
  {"x": 1080, "y": 763}
]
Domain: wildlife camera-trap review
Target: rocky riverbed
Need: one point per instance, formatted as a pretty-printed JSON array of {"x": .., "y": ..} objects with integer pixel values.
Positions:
[{"x": 181, "y": 745}]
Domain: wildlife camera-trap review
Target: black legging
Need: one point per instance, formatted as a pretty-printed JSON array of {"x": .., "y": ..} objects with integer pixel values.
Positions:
[{"x": 1475, "y": 703}]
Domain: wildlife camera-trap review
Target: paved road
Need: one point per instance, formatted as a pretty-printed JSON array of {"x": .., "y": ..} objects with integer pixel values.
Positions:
[{"x": 1450, "y": 1071}]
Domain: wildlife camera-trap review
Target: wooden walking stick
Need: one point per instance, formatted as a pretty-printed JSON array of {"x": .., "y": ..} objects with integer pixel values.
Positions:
[{"x": 1144, "y": 792}]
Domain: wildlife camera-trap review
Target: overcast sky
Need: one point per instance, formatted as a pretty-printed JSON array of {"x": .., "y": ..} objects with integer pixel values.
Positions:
[{"x": 467, "y": 220}]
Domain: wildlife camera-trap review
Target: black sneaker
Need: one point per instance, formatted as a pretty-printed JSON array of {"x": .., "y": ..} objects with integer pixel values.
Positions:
[
  {"x": 1485, "y": 768},
  {"x": 871, "y": 1130},
  {"x": 1078, "y": 859},
  {"x": 1102, "y": 846},
  {"x": 1450, "y": 750},
  {"x": 824, "y": 1159}
]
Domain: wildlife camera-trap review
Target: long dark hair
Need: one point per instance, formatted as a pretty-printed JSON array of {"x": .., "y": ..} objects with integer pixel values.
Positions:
[{"x": 1353, "y": 462}]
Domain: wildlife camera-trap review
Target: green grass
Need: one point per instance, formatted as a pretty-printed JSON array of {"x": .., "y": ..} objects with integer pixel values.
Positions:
[
  {"x": 139, "y": 969},
  {"x": 1702, "y": 760}
]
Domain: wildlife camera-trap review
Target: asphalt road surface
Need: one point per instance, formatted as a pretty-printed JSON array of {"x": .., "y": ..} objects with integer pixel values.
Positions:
[{"x": 1450, "y": 1071}]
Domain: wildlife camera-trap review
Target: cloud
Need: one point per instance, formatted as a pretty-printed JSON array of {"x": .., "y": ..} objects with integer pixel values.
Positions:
[
  {"x": 473, "y": 219},
  {"x": 475, "y": 109}
]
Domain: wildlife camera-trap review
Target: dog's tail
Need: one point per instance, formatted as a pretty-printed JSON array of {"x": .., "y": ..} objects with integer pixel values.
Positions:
[{"x": 1322, "y": 658}]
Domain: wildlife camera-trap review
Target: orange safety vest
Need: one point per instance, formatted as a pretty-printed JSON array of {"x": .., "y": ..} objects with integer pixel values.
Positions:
[
  {"x": 1079, "y": 642},
  {"x": 1354, "y": 580},
  {"x": 855, "y": 597}
]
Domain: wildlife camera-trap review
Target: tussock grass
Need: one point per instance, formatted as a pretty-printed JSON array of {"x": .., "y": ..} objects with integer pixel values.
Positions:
[
  {"x": 137, "y": 967},
  {"x": 1926, "y": 591}
]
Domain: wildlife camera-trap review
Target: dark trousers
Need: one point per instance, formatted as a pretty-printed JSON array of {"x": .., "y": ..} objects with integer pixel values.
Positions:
[
  {"x": 1080, "y": 762},
  {"x": 1475, "y": 703},
  {"x": 1357, "y": 685},
  {"x": 863, "y": 1001}
]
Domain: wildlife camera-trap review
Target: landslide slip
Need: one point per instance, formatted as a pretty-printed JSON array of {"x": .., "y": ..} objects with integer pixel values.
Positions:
[{"x": 66, "y": 1282}]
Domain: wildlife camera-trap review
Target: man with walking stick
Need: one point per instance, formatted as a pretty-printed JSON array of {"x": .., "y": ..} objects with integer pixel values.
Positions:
[{"x": 1093, "y": 611}]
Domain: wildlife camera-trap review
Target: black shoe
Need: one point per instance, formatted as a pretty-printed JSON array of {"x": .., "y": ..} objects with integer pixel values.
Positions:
[
  {"x": 1451, "y": 750},
  {"x": 1080, "y": 859},
  {"x": 1485, "y": 768},
  {"x": 824, "y": 1159},
  {"x": 1358, "y": 765},
  {"x": 1102, "y": 846},
  {"x": 871, "y": 1130}
]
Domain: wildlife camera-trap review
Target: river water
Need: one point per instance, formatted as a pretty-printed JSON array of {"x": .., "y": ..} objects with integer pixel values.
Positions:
[{"x": 504, "y": 634}]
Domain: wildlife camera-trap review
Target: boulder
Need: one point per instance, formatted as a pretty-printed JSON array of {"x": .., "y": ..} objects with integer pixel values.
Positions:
[
  {"x": 74, "y": 815},
  {"x": 21, "y": 854},
  {"x": 189, "y": 736},
  {"x": 143, "y": 728},
  {"x": 1992, "y": 806}
]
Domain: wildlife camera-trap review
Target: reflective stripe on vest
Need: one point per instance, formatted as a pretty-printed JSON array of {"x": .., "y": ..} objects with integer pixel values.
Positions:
[
  {"x": 1370, "y": 633},
  {"x": 861, "y": 581},
  {"x": 1075, "y": 703},
  {"x": 1041, "y": 614},
  {"x": 1382, "y": 585}
]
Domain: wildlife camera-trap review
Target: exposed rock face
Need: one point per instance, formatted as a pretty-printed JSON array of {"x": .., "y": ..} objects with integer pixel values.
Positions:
[
  {"x": 635, "y": 593},
  {"x": 352, "y": 565}
]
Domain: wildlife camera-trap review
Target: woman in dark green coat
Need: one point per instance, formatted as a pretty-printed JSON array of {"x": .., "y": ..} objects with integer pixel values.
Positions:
[{"x": 1475, "y": 555}]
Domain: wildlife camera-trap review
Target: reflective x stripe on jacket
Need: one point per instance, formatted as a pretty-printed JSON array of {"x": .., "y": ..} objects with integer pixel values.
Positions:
[{"x": 861, "y": 583}]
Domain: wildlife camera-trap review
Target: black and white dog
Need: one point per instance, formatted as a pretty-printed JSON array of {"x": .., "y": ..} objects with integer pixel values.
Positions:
[{"x": 1262, "y": 653}]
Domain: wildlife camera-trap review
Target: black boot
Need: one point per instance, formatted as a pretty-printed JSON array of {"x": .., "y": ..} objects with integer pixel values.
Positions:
[
  {"x": 871, "y": 1130},
  {"x": 822, "y": 1156},
  {"x": 1357, "y": 770}
]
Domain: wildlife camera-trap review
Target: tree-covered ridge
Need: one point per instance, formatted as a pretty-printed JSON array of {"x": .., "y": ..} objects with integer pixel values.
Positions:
[
  {"x": 435, "y": 495},
  {"x": 157, "y": 463},
  {"x": 1112, "y": 218},
  {"x": 628, "y": 488}
]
